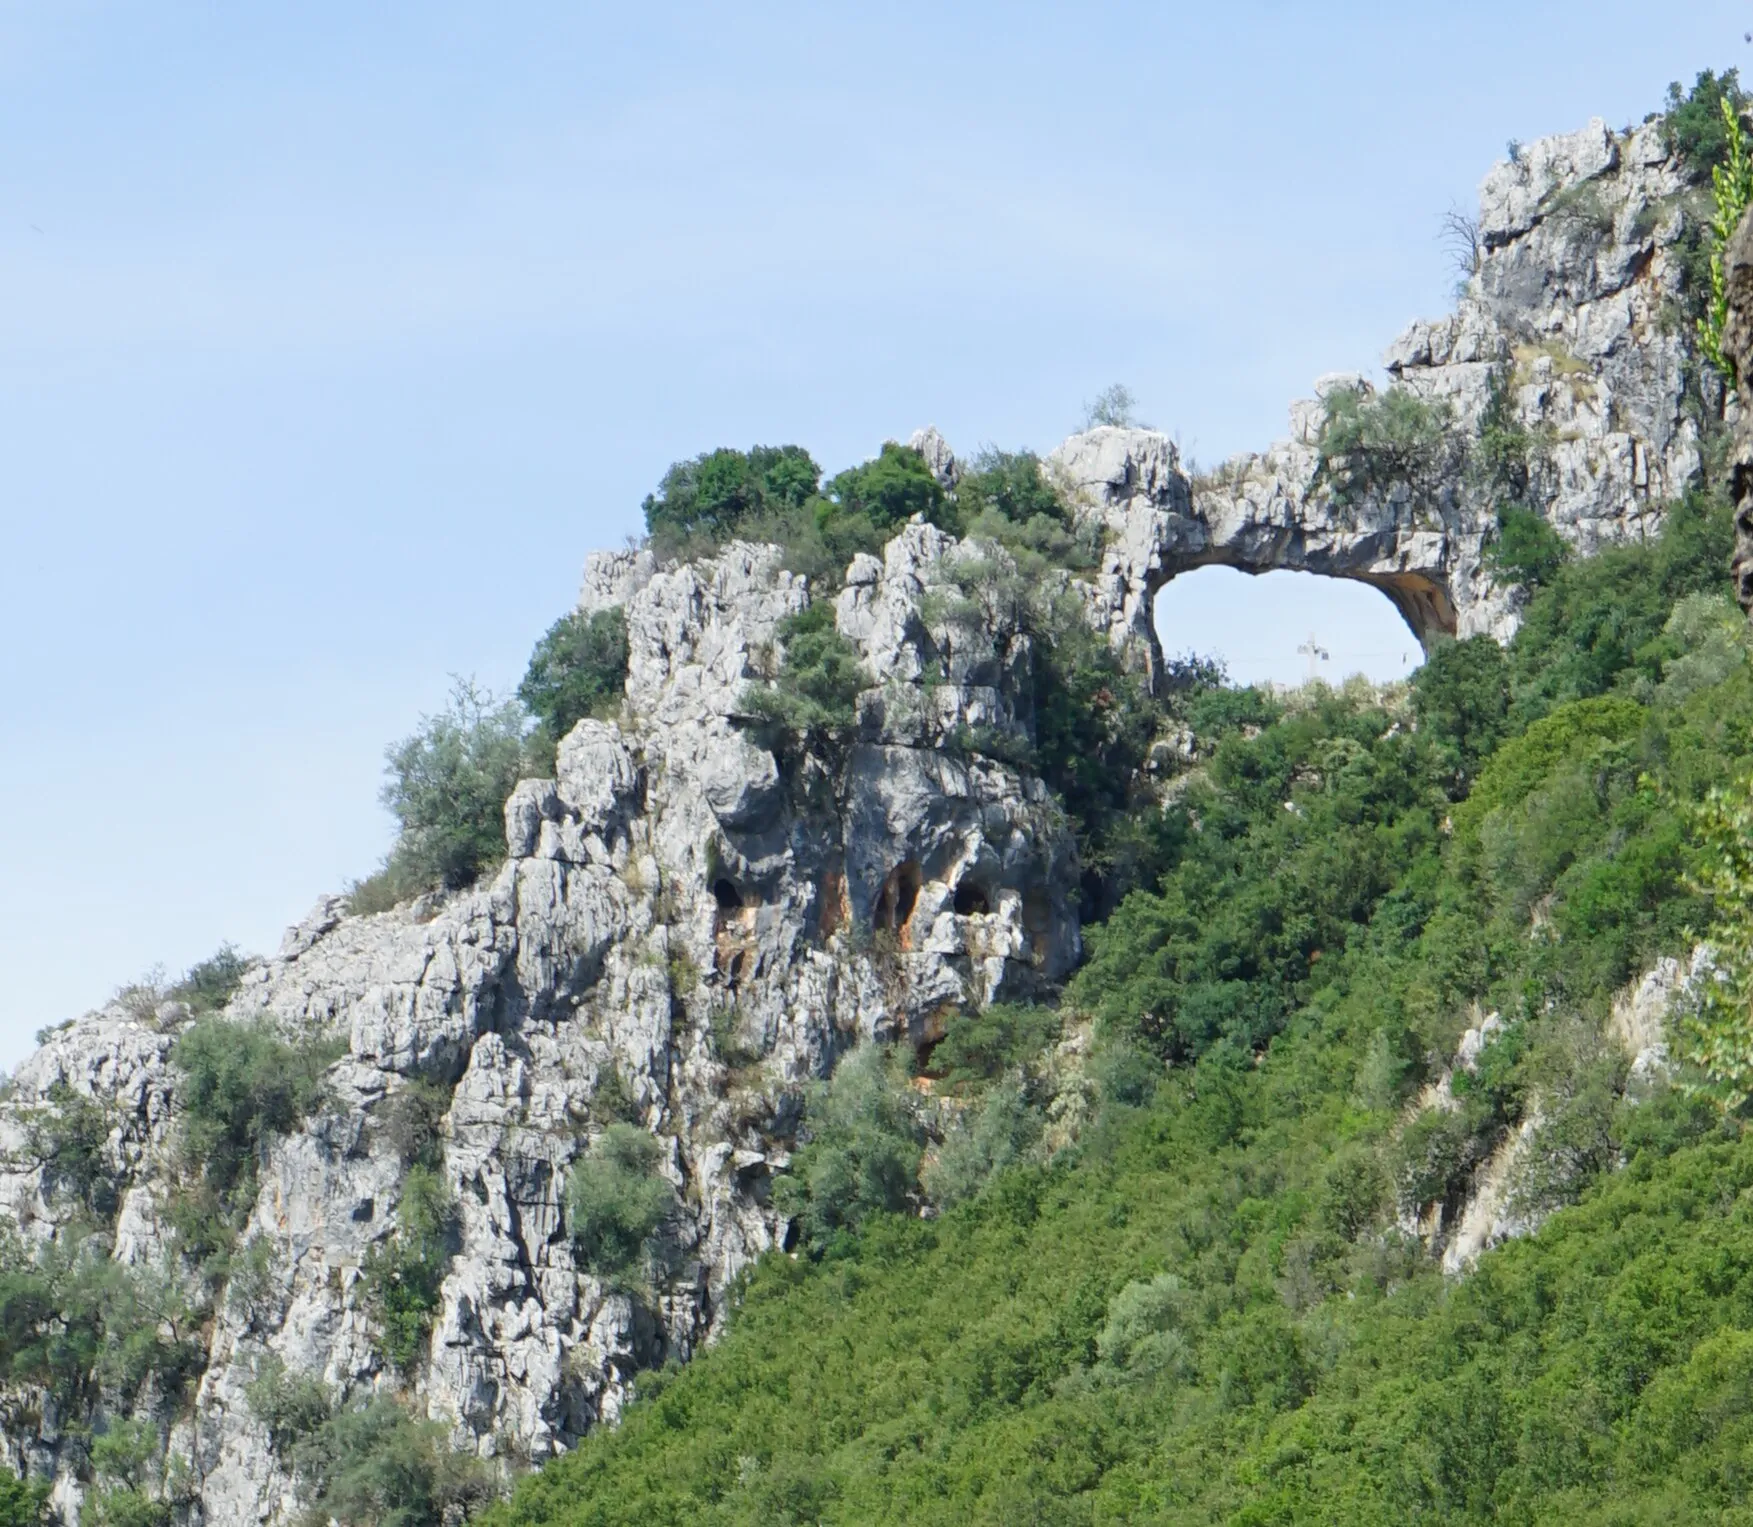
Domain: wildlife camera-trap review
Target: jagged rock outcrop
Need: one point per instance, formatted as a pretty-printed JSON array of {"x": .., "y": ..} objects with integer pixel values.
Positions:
[
  {"x": 692, "y": 923},
  {"x": 1572, "y": 303}
]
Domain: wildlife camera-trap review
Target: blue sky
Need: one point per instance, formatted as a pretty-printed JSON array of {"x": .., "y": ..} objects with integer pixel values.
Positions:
[{"x": 334, "y": 336}]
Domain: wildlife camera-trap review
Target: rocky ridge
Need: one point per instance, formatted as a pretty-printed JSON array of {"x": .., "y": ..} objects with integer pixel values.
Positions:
[{"x": 695, "y": 924}]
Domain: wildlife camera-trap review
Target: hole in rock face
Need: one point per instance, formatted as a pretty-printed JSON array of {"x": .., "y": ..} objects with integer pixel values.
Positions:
[
  {"x": 899, "y": 894},
  {"x": 725, "y": 894},
  {"x": 970, "y": 899},
  {"x": 1259, "y": 625}
]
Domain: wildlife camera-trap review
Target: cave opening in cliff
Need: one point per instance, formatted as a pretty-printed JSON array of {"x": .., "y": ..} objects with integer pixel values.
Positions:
[
  {"x": 896, "y": 900},
  {"x": 1284, "y": 627},
  {"x": 971, "y": 900}
]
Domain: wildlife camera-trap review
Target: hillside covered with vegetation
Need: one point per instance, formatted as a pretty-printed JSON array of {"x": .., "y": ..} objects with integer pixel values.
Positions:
[{"x": 1209, "y": 1307}]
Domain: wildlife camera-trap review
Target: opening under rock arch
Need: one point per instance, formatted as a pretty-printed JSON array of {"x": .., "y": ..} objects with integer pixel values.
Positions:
[{"x": 1255, "y": 623}]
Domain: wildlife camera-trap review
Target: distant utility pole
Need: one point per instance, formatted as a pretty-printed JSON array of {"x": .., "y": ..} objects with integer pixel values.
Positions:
[{"x": 1315, "y": 653}]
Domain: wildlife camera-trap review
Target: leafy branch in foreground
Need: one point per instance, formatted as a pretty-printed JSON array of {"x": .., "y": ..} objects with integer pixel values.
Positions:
[{"x": 1732, "y": 189}]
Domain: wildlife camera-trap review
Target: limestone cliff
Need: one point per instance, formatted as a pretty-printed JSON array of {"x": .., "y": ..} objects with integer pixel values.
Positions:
[{"x": 695, "y": 925}]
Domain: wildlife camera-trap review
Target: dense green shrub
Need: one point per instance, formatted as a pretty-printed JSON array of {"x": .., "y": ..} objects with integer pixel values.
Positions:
[
  {"x": 211, "y": 983},
  {"x": 1526, "y": 550},
  {"x": 404, "y": 1274},
  {"x": 290, "y": 1406},
  {"x": 70, "y": 1137},
  {"x": 79, "y": 1325},
  {"x": 706, "y": 501},
  {"x": 1001, "y": 1130},
  {"x": 373, "y": 1465},
  {"x": 23, "y": 1503},
  {"x": 616, "y": 1202},
  {"x": 447, "y": 786},
  {"x": 1461, "y": 697},
  {"x": 1694, "y": 125},
  {"x": 578, "y": 669},
  {"x": 888, "y": 490},
  {"x": 1597, "y": 624},
  {"x": 981, "y": 1046},
  {"x": 813, "y": 701},
  {"x": 862, "y": 1144},
  {"x": 1369, "y": 442},
  {"x": 239, "y": 1085}
]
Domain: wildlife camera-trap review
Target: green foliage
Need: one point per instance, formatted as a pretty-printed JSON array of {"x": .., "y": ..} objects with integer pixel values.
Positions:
[
  {"x": 1461, "y": 697},
  {"x": 81, "y": 1326},
  {"x": 1371, "y": 441},
  {"x": 208, "y": 985},
  {"x": 616, "y": 1202},
  {"x": 23, "y": 1503},
  {"x": 813, "y": 702},
  {"x": 1598, "y": 624},
  {"x": 1527, "y": 550},
  {"x": 447, "y": 786},
  {"x": 290, "y": 1406},
  {"x": 404, "y": 1274},
  {"x": 999, "y": 1131},
  {"x": 1731, "y": 191},
  {"x": 1502, "y": 462},
  {"x": 981, "y": 1046},
  {"x": 1696, "y": 122},
  {"x": 578, "y": 669},
  {"x": 239, "y": 1085},
  {"x": 70, "y": 1137},
  {"x": 1113, "y": 405},
  {"x": 1007, "y": 497},
  {"x": 1717, "y": 1034},
  {"x": 862, "y": 1144},
  {"x": 886, "y": 491},
  {"x": 411, "y": 1120},
  {"x": 125, "y": 1506},
  {"x": 716, "y": 496},
  {"x": 374, "y": 1465},
  {"x": 1201, "y": 1310}
]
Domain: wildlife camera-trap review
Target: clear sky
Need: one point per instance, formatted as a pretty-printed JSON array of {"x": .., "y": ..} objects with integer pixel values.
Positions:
[{"x": 334, "y": 336}]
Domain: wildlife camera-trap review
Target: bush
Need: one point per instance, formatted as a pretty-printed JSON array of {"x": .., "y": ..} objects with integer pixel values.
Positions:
[
  {"x": 1140, "y": 1337},
  {"x": 1461, "y": 697},
  {"x": 404, "y": 1275},
  {"x": 242, "y": 1084},
  {"x": 578, "y": 669},
  {"x": 23, "y": 1503},
  {"x": 704, "y": 502},
  {"x": 1695, "y": 125},
  {"x": 617, "y": 1201},
  {"x": 79, "y": 1325},
  {"x": 886, "y": 491},
  {"x": 1113, "y": 405},
  {"x": 1371, "y": 442},
  {"x": 290, "y": 1406},
  {"x": 1527, "y": 550},
  {"x": 1000, "y": 1132},
  {"x": 862, "y": 1144},
  {"x": 1006, "y": 497},
  {"x": 213, "y": 982},
  {"x": 71, "y": 1139},
  {"x": 374, "y": 1465},
  {"x": 983, "y": 1045},
  {"x": 447, "y": 786},
  {"x": 813, "y": 703},
  {"x": 1731, "y": 192}
]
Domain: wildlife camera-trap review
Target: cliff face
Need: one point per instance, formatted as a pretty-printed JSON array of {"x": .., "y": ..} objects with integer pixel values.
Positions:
[{"x": 694, "y": 925}]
